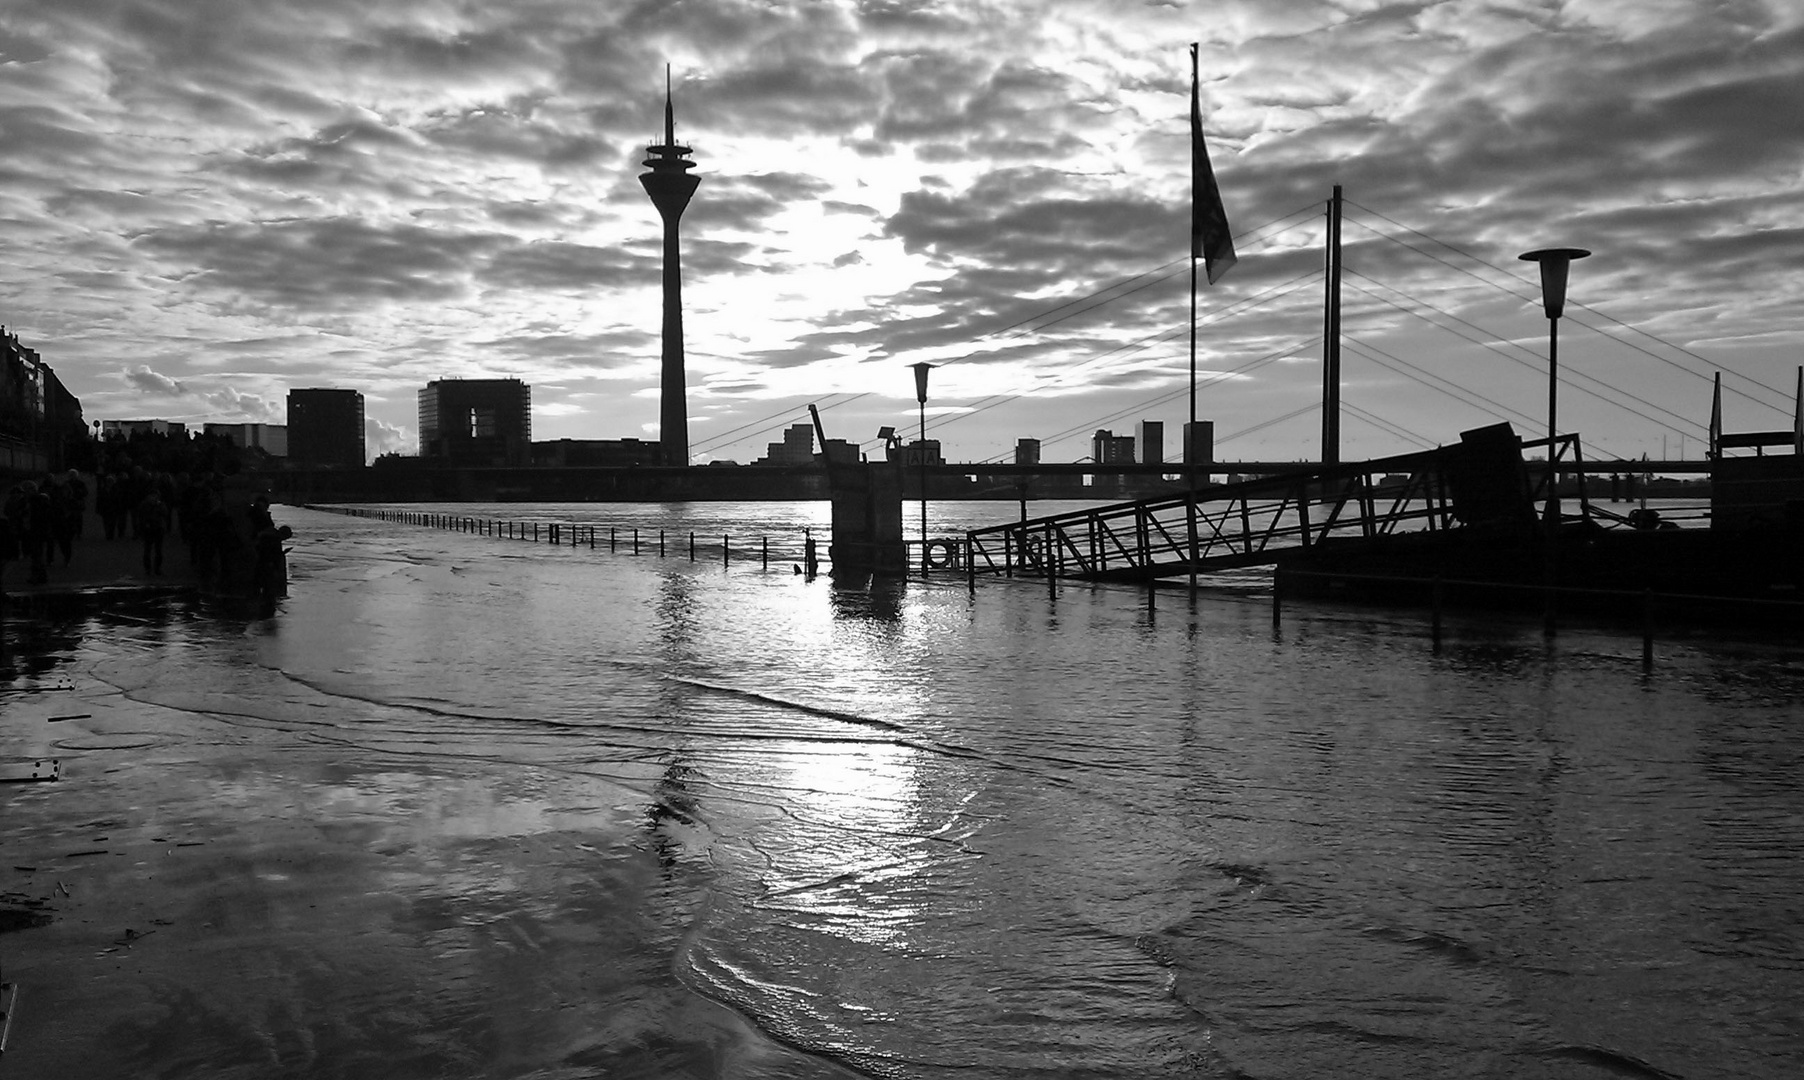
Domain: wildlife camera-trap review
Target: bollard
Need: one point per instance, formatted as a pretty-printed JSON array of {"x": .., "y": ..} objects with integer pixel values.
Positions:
[
  {"x": 613, "y": 538},
  {"x": 1277, "y": 595},
  {"x": 660, "y": 543},
  {"x": 591, "y": 538},
  {"x": 535, "y": 532},
  {"x": 767, "y": 553},
  {"x": 1647, "y": 629},
  {"x": 1434, "y": 604},
  {"x": 726, "y": 555},
  {"x": 692, "y": 545}
]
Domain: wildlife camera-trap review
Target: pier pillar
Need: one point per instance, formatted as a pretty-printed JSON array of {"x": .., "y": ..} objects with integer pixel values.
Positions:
[{"x": 867, "y": 519}]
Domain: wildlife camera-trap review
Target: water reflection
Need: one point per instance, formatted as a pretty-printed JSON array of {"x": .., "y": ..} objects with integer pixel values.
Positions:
[{"x": 868, "y": 597}]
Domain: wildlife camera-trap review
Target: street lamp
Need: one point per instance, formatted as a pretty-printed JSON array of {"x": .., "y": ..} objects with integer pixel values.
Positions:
[
  {"x": 921, "y": 370},
  {"x": 1555, "y": 263}
]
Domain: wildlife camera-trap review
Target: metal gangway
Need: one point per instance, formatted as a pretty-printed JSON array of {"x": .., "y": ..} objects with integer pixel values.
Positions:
[{"x": 1258, "y": 522}]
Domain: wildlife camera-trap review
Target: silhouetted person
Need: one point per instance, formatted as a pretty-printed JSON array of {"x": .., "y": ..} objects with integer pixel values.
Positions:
[
  {"x": 66, "y": 507},
  {"x": 269, "y": 578},
  {"x": 30, "y": 511},
  {"x": 152, "y": 521},
  {"x": 112, "y": 503}
]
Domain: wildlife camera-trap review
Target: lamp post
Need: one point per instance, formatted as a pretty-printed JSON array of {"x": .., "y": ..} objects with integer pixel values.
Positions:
[
  {"x": 1555, "y": 264},
  {"x": 921, "y": 370}
]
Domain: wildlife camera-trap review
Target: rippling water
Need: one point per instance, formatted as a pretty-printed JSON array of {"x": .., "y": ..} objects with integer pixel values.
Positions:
[{"x": 597, "y": 815}]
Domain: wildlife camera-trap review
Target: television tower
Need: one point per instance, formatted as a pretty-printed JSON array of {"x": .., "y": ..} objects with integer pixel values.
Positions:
[{"x": 670, "y": 186}]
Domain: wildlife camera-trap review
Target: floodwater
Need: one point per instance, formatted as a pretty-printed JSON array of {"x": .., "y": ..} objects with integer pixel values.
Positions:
[{"x": 502, "y": 809}]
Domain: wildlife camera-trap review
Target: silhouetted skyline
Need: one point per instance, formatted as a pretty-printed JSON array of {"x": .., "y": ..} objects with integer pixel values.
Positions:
[{"x": 205, "y": 210}]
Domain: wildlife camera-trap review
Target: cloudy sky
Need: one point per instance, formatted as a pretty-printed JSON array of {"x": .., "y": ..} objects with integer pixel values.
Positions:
[{"x": 208, "y": 202}]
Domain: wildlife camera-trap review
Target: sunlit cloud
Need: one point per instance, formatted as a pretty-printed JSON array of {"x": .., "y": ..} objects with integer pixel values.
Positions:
[{"x": 206, "y": 206}]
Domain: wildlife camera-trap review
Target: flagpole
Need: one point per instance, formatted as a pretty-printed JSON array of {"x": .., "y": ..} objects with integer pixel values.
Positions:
[{"x": 1190, "y": 430}]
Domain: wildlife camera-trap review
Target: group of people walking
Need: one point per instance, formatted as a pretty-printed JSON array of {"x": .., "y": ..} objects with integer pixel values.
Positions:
[{"x": 43, "y": 520}]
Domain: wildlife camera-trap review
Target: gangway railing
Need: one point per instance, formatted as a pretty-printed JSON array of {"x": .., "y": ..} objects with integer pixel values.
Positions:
[{"x": 1249, "y": 523}]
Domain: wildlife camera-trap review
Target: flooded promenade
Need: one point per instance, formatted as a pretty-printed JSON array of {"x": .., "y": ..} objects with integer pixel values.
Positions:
[{"x": 468, "y": 806}]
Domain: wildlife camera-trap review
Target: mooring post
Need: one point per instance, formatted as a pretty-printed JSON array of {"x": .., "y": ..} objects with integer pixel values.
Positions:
[
  {"x": 766, "y": 552},
  {"x": 1647, "y": 629},
  {"x": 726, "y": 549},
  {"x": 692, "y": 545},
  {"x": 970, "y": 564},
  {"x": 1434, "y": 603},
  {"x": 1277, "y": 596},
  {"x": 613, "y": 538}
]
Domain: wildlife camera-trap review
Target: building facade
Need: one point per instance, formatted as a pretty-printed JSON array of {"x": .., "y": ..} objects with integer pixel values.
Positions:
[
  {"x": 476, "y": 422},
  {"x": 272, "y": 439},
  {"x": 40, "y": 420},
  {"x": 1199, "y": 443},
  {"x": 325, "y": 428},
  {"x": 1151, "y": 439},
  {"x": 1108, "y": 448}
]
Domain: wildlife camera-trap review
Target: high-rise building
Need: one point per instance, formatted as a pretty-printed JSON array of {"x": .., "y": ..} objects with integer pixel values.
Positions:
[
  {"x": 1199, "y": 444},
  {"x": 1108, "y": 448},
  {"x": 1151, "y": 437},
  {"x": 325, "y": 428},
  {"x": 476, "y": 421},
  {"x": 797, "y": 447}
]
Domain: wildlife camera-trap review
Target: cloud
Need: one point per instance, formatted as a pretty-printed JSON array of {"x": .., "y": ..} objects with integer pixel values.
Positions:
[
  {"x": 381, "y": 437},
  {"x": 142, "y": 378},
  {"x": 331, "y": 192}
]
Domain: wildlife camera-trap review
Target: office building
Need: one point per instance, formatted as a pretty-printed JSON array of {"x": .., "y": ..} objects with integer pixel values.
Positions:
[
  {"x": 1151, "y": 441},
  {"x": 272, "y": 439},
  {"x": 1199, "y": 444},
  {"x": 476, "y": 422},
  {"x": 1107, "y": 448},
  {"x": 325, "y": 428}
]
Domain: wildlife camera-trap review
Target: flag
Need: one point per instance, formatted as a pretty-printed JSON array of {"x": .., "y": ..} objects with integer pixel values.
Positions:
[{"x": 1209, "y": 236}]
